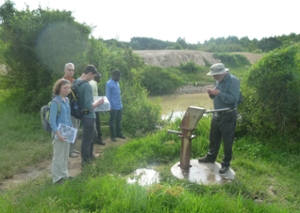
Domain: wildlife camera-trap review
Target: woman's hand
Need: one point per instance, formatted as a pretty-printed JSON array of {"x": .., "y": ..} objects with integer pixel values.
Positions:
[{"x": 60, "y": 138}]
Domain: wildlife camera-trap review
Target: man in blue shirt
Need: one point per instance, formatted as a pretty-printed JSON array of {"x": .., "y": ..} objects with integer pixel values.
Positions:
[
  {"x": 225, "y": 94},
  {"x": 113, "y": 94}
]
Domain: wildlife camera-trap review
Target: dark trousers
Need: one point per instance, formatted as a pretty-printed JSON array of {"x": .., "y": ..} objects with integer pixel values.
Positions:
[
  {"x": 222, "y": 127},
  {"x": 88, "y": 137},
  {"x": 98, "y": 127},
  {"x": 115, "y": 123}
]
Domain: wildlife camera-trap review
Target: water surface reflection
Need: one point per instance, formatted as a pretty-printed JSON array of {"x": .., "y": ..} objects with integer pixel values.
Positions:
[{"x": 178, "y": 104}]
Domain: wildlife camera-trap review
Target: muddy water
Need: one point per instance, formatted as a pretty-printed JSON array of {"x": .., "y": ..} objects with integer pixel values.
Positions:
[{"x": 180, "y": 102}]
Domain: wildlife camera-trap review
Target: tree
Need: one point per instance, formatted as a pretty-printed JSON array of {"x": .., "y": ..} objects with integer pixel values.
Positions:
[
  {"x": 182, "y": 43},
  {"x": 268, "y": 44},
  {"x": 38, "y": 44}
]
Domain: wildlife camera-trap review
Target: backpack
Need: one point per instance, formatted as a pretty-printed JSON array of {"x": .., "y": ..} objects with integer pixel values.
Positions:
[
  {"x": 76, "y": 110},
  {"x": 45, "y": 115}
]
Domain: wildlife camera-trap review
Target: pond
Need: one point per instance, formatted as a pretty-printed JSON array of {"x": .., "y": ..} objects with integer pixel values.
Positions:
[{"x": 179, "y": 103}]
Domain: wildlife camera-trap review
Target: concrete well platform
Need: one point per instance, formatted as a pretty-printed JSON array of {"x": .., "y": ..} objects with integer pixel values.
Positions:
[{"x": 203, "y": 173}]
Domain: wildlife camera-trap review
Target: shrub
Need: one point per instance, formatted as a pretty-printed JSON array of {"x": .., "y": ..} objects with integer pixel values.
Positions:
[
  {"x": 140, "y": 115},
  {"x": 271, "y": 89},
  {"x": 257, "y": 51},
  {"x": 159, "y": 81},
  {"x": 189, "y": 67},
  {"x": 232, "y": 60}
]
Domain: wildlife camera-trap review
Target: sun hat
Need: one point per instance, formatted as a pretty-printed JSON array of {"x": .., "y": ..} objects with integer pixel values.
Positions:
[{"x": 217, "y": 69}]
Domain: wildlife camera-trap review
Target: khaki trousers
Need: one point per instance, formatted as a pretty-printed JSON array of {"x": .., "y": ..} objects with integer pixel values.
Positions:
[{"x": 60, "y": 160}]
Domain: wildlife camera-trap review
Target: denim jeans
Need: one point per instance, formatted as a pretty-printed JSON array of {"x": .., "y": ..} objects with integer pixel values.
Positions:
[
  {"x": 115, "y": 123},
  {"x": 88, "y": 137}
]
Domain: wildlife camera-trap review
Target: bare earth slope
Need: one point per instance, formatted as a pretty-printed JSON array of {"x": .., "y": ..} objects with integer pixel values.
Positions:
[{"x": 173, "y": 58}]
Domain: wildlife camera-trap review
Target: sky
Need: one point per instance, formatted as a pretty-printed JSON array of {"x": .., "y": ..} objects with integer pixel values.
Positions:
[{"x": 167, "y": 20}]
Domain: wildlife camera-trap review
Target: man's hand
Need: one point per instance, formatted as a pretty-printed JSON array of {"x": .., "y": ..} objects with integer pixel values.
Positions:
[
  {"x": 214, "y": 92},
  {"x": 99, "y": 102}
]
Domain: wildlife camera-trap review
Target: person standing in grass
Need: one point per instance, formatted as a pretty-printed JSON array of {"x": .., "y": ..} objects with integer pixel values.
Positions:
[
  {"x": 113, "y": 94},
  {"x": 86, "y": 101},
  {"x": 61, "y": 148},
  {"x": 69, "y": 71},
  {"x": 225, "y": 94},
  {"x": 94, "y": 85}
]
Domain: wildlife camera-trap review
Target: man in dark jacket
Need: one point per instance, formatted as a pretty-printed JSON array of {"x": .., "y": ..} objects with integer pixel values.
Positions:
[{"x": 225, "y": 94}]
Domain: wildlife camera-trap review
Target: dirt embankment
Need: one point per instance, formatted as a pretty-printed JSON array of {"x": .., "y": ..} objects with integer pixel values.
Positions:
[{"x": 173, "y": 58}]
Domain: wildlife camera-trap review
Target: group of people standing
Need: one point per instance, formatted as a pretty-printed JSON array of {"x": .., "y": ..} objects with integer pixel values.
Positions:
[
  {"x": 90, "y": 121},
  {"x": 225, "y": 95}
]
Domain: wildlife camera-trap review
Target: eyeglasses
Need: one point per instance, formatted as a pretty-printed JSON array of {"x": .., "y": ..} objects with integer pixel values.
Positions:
[{"x": 70, "y": 70}]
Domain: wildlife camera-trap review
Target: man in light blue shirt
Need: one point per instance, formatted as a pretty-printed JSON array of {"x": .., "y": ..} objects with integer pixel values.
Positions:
[{"x": 113, "y": 94}]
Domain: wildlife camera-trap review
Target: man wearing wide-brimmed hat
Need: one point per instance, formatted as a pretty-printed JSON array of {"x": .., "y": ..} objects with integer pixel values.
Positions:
[{"x": 225, "y": 94}]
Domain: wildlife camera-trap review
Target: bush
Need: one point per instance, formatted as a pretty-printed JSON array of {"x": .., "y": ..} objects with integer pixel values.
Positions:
[
  {"x": 257, "y": 51},
  {"x": 232, "y": 60},
  {"x": 189, "y": 67},
  {"x": 159, "y": 81},
  {"x": 271, "y": 90},
  {"x": 140, "y": 115}
]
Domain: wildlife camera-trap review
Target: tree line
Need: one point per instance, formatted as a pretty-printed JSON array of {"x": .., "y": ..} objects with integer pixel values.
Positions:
[{"x": 229, "y": 44}]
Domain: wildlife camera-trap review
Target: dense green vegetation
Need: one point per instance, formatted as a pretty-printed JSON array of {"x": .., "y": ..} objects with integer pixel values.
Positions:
[{"x": 272, "y": 98}]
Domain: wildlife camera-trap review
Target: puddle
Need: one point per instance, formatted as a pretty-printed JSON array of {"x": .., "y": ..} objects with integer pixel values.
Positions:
[
  {"x": 203, "y": 173},
  {"x": 144, "y": 177}
]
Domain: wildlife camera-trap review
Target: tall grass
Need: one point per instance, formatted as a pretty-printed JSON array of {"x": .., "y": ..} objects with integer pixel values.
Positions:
[
  {"x": 23, "y": 142},
  {"x": 112, "y": 194}
]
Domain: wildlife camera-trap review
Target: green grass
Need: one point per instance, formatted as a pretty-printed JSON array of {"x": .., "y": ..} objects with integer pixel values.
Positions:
[
  {"x": 267, "y": 172},
  {"x": 23, "y": 141}
]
